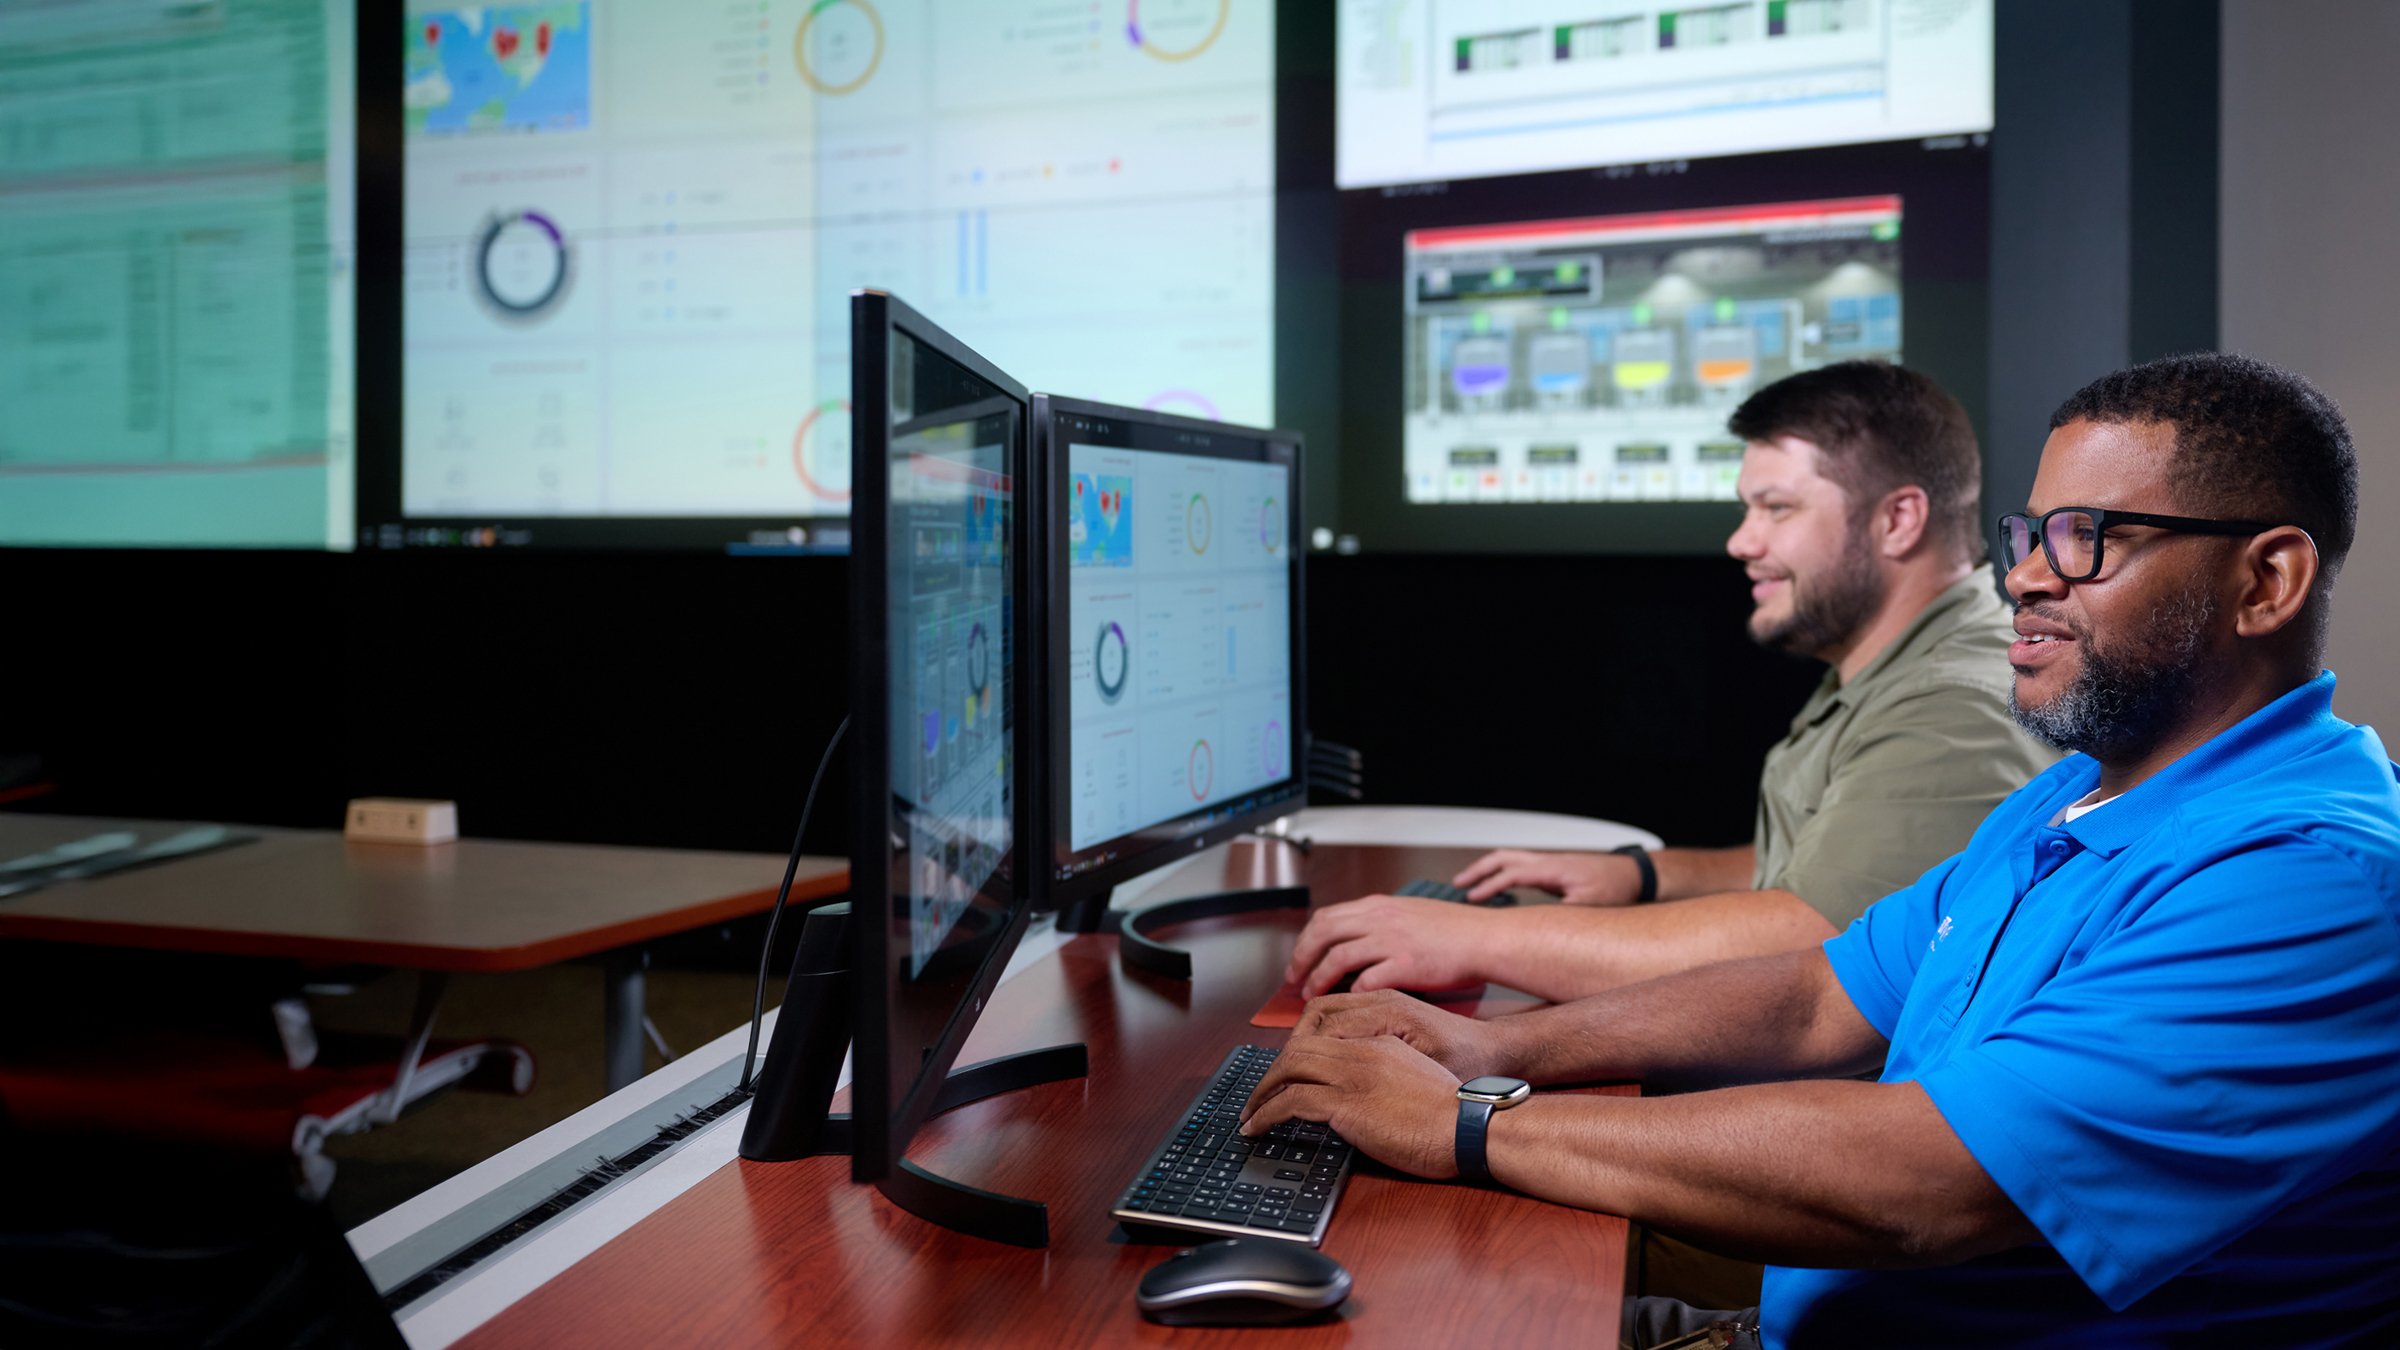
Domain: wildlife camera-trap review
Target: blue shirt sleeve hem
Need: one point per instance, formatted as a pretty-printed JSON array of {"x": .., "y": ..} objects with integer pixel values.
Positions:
[{"x": 1980, "y": 1117}]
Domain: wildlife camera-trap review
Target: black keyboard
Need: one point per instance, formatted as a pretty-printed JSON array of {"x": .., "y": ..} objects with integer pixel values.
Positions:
[
  {"x": 1443, "y": 890},
  {"x": 1207, "y": 1178}
]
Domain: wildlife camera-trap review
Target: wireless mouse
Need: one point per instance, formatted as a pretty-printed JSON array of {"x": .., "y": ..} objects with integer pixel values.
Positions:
[{"x": 1243, "y": 1282}]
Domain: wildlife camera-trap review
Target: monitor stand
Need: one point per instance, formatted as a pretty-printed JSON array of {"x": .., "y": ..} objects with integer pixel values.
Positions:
[
  {"x": 1134, "y": 928},
  {"x": 791, "y": 1115}
]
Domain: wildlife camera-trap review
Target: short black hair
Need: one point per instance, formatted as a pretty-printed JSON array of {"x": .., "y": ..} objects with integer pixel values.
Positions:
[
  {"x": 1878, "y": 427},
  {"x": 2252, "y": 441}
]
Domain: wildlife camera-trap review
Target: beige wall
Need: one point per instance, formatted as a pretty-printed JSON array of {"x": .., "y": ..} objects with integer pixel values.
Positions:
[{"x": 2309, "y": 264}]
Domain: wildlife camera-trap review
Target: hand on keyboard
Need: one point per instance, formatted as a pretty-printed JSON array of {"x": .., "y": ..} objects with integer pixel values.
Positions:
[
  {"x": 1443, "y": 890},
  {"x": 1394, "y": 942}
]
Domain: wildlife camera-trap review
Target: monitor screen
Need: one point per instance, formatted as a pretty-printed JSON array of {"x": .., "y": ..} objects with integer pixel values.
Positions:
[
  {"x": 631, "y": 231},
  {"x": 1175, "y": 617},
  {"x": 1596, "y": 359},
  {"x": 176, "y": 273},
  {"x": 1430, "y": 90},
  {"x": 939, "y": 449}
]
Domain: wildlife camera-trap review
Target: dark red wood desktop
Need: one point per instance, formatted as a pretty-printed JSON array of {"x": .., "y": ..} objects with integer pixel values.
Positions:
[{"x": 793, "y": 1253}]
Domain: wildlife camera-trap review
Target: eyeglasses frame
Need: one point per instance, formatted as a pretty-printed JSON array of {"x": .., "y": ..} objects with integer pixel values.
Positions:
[{"x": 2038, "y": 529}]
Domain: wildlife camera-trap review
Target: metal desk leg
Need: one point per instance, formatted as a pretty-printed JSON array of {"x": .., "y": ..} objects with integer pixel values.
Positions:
[{"x": 621, "y": 993}]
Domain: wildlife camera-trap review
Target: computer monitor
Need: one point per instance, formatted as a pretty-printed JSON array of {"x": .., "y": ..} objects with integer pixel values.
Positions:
[
  {"x": 938, "y": 706},
  {"x": 1173, "y": 593}
]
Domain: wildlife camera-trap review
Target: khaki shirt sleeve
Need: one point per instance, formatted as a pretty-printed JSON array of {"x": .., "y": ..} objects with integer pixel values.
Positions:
[{"x": 1907, "y": 789}]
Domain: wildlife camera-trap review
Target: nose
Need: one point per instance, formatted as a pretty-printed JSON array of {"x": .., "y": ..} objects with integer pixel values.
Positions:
[
  {"x": 1743, "y": 543},
  {"x": 2032, "y": 578}
]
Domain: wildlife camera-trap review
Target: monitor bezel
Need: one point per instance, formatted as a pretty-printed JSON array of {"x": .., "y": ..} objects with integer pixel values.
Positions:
[
  {"x": 885, "y": 1113},
  {"x": 1160, "y": 844}
]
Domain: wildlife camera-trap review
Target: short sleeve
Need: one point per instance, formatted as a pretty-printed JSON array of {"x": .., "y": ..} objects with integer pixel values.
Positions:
[
  {"x": 1918, "y": 776},
  {"x": 1876, "y": 957},
  {"x": 2231, "y": 1048}
]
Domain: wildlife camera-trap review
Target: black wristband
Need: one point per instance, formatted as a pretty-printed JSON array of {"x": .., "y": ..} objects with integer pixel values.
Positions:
[{"x": 1649, "y": 869}]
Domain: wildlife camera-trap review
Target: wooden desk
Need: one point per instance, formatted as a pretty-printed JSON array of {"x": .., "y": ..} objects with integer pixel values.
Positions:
[
  {"x": 474, "y": 905},
  {"x": 793, "y": 1253}
]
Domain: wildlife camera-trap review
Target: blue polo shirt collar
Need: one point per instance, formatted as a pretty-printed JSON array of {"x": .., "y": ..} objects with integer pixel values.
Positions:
[{"x": 2241, "y": 751}]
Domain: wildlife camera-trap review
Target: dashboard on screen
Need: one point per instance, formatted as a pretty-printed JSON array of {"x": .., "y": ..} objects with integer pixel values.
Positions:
[
  {"x": 176, "y": 273},
  {"x": 1596, "y": 359},
  {"x": 1445, "y": 89},
  {"x": 631, "y": 230}
]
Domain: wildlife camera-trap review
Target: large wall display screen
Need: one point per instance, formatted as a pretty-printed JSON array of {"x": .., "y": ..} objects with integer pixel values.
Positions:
[
  {"x": 632, "y": 228},
  {"x": 1445, "y": 89},
  {"x": 175, "y": 272},
  {"x": 1596, "y": 359}
]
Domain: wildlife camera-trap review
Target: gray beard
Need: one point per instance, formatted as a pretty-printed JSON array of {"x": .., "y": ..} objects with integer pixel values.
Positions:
[
  {"x": 2123, "y": 703},
  {"x": 1828, "y": 610}
]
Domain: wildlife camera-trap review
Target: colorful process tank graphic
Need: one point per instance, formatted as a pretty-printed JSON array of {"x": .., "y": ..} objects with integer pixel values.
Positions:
[
  {"x": 1099, "y": 521},
  {"x": 506, "y": 68}
]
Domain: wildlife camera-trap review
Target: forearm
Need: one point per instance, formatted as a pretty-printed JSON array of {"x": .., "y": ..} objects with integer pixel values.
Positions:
[
  {"x": 1565, "y": 952},
  {"x": 1686, "y": 872},
  {"x": 1755, "y": 1020},
  {"x": 1830, "y": 1173}
]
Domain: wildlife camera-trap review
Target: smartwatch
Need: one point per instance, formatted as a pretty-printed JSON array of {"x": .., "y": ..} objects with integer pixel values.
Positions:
[{"x": 1477, "y": 1099}]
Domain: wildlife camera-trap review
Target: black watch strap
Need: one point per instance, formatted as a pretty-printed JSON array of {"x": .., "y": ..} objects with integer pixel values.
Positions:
[
  {"x": 1474, "y": 1122},
  {"x": 1649, "y": 869}
]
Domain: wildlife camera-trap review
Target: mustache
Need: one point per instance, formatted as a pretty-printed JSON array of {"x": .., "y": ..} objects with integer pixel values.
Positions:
[{"x": 2053, "y": 614}]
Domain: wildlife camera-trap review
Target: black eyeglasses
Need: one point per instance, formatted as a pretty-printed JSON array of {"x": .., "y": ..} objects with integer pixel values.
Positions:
[{"x": 2071, "y": 535}]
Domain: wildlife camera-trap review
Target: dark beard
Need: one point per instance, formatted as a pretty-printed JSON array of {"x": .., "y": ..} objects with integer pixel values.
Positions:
[
  {"x": 1828, "y": 610},
  {"x": 2124, "y": 702}
]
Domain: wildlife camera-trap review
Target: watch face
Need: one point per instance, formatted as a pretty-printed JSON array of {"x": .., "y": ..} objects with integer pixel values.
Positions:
[{"x": 1495, "y": 1089}]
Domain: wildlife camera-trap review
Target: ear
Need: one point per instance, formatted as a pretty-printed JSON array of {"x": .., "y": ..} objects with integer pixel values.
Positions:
[
  {"x": 2278, "y": 571},
  {"x": 1900, "y": 520}
]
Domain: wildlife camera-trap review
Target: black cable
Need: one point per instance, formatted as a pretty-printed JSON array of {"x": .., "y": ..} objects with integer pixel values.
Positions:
[{"x": 791, "y": 866}]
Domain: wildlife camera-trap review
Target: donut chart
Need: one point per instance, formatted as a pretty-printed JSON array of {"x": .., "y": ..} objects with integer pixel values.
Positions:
[
  {"x": 800, "y": 452},
  {"x": 840, "y": 35},
  {"x": 1147, "y": 43},
  {"x": 1200, "y": 772},
  {"x": 1199, "y": 523},
  {"x": 1270, "y": 527},
  {"x": 979, "y": 660},
  {"x": 1274, "y": 751},
  {"x": 1110, "y": 662},
  {"x": 523, "y": 265}
]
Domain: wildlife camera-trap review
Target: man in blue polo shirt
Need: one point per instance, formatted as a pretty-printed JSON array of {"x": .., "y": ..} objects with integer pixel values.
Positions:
[{"x": 2140, "y": 1042}]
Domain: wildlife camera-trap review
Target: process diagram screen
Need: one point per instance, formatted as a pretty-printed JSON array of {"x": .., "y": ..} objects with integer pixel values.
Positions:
[
  {"x": 1597, "y": 359},
  {"x": 1441, "y": 89},
  {"x": 632, "y": 229},
  {"x": 1179, "y": 636}
]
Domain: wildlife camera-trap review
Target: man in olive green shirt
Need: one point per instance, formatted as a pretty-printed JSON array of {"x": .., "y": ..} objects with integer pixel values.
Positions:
[{"x": 1863, "y": 543}]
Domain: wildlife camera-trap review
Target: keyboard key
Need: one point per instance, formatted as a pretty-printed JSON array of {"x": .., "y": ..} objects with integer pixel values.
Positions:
[{"x": 1205, "y": 1170}]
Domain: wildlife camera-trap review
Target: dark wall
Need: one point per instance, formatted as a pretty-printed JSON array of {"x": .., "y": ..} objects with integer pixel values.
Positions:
[
  {"x": 683, "y": 700},
  {"x": 2104, "y": 206},
  {"x": 659, "y": 699}
]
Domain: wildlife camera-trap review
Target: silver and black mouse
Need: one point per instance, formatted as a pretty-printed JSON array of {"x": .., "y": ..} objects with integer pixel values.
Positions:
[{"x": 1243, "y": 1282}]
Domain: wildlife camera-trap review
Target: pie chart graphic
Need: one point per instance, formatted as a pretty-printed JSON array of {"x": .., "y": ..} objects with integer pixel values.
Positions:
[
  {"x": 1201, "y": 772},
  {"x": 1111, "y": 662},
  {"x": 1270, "y": 527},
  {"x": 828, "y": 449},
  {"x": 1274, "y": 751},
  {"x": 1178, "y": 30},
  {"x": 1199, "y": 522},
  {"x": 979, "y": 660},
  {"x": 839, "y": 45},
  {"x": 523, "y": 265}
]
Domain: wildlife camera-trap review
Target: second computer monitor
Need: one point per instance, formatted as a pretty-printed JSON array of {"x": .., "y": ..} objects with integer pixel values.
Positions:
[{"x": 1174, "y": 608}]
